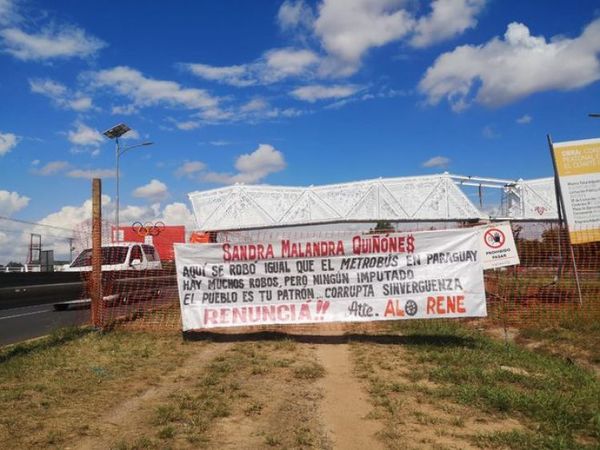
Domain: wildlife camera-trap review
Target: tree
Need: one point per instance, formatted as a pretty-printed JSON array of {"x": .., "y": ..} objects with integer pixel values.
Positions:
[
  {"x": 382, "y": 226},
  {"x": 14, "y": 264}
]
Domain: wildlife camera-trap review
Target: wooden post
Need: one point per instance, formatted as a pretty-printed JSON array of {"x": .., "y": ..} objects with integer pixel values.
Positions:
[{"x": 96, "y": 276}]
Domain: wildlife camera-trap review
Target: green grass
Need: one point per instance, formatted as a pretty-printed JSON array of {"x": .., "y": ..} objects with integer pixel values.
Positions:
[
  {"x": 557, "y": 400},
  {"x": 571, "y": 338},
  {"x": 56, "y": 338},
  {"x": 235, "y": 384},
  {"x": 310, "y": 370},
  {"x": 52, "y": 389}
]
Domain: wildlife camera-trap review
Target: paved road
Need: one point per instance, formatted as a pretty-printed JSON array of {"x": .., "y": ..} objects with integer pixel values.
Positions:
[{"x": 18, "y": 324}]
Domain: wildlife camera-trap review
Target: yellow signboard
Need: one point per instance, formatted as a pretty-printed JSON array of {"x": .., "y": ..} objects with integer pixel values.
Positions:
[{"x": 578, "y": 166}]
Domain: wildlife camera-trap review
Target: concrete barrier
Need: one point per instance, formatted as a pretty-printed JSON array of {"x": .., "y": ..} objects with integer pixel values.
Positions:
[{"x": 36, "y": 288}]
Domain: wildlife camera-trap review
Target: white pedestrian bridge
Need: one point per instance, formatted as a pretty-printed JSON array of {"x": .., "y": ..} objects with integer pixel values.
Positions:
[{"x": 431, "y": 198}]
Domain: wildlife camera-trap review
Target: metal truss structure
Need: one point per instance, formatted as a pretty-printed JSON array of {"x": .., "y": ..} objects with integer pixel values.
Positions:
[
  {"x": 411, "y": 199},
  {"x": 530, "y": 200},
  {"x": 425, "y": 198}
]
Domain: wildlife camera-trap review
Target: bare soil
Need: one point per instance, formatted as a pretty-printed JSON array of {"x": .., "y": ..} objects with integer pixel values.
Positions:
[
  {"x": 313, "y": 389},
  {"x": 411, "y": 417},
  {"x": 345, "y": 404},
  {"x": 129, "y": 419}
]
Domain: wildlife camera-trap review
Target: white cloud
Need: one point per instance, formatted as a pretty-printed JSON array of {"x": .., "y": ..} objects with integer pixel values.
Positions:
[
  {"x": 8, "y": 141},
  {"x": 489, "y": 132},
  {"x": 131, "y": 134},
  {"x": 437, "y": 161},
  {"x": 71, "y": 216},
  {"x": 144, "y": 91},
  {"x": 85, "y": 136},
  {"x": 381, "y": 94},
  {"x": 12, "y": 202},
  {"x": 239, "y": 75},
  {"x": 525, "y": 119},
  {"x": 92, "y": 173},
  {"x": 80, "y": 103},
  {"x": 349, "y": 28},
  {"x": 285, "y": 62},
  {"x": 48, "y": 87},
  {"x": 315, "y": 92},
  {"x": 447, "y": 19},
  {"x": 178, "y": 214},
  {"x": 189, "y": 168},
  {"x": 251, "y": 167},
  {"x": 346, "y": 30},
  {"x": 264, "y": 159},
  {"x": 49, "y": 43},
  {"x": 220, "y": 143},
  {"x": 256, "y": 104},
  {"x": 52, "y": 168},
  {"x": 128, "y": 214},
  {"x": 8, "y": 12},
  {"x": 61, "y": 96},
  {"x": 124, "y": 110},
  {"x": 275, "y": 65},
  {"x": 75, "y": 221},
  {"x": 275, "y": 113},
  {"x": 294, "y": 14},
  {"x": 504, "y": 70},
  {"x": 56, "y": 229},
  {"x": 213, "y": 115},
  {"x": 187, "y": 125},
  {"x": 154, "y": 190}
]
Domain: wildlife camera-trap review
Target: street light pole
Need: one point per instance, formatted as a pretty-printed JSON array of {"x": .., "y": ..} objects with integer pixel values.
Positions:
[
  {"x": 117, "y": 156},
  {"x": 115, "y": 133}
]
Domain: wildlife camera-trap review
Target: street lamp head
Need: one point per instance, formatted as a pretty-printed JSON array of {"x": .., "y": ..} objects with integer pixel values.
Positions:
[
  {"x": 117, "y": 131},
  {"x": 147, "y": 143},
  {"x": 596, "y": 115}
]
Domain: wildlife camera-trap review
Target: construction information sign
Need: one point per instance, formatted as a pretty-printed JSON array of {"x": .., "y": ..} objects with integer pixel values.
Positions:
[
  {"x": 362, "y": 277},
  {"x": 578, "y": 165},
  {"x": 498, "y": 244}
]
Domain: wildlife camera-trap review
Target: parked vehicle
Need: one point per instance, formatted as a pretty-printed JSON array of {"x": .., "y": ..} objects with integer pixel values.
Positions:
[
  {"x": 158, "y": 235},
  {"x": 119, "y": 256}
]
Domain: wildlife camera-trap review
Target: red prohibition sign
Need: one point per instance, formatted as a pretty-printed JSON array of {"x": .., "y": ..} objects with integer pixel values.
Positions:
[{"x": 494, "y": 238}]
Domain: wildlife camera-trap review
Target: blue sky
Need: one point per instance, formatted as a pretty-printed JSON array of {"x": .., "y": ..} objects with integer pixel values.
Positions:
[{"x": 291, "y": 93}]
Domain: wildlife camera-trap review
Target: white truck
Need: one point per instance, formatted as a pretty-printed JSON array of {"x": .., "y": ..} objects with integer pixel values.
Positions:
[{"x": 119, "y": 256}]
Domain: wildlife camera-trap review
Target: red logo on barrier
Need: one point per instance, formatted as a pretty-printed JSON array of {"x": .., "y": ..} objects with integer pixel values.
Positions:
[
  {"x": 494, "y": 238},
  {"x": 148, "y": 229},
  {"x": 540, "y": 210}
]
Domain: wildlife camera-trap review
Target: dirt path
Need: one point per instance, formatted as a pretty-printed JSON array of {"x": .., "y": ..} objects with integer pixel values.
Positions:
[
  {"x": 126, "y": 421},
  {"x": 345, "y": 405}
]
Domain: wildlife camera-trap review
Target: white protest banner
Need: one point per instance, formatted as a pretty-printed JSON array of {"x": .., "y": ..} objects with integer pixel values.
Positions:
[
  {"x": 362, "y": 277},
  {"x": 578, "y": 167},
  {"x": 498, "y": 246}
]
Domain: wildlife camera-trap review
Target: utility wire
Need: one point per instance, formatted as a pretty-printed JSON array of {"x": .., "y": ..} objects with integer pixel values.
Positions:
[{"x": 35, "y": 223}]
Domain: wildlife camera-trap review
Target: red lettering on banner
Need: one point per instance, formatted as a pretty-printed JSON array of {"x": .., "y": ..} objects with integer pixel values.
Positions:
[
  {"x": 240, "y": 316},
  {"x": 448, "y": 304},
  {"x": 383, "y": 244},
  {"x": 281, "y": 309},
  {"x": 224, "y": 315},
  {"x": 255, "y": 314},
  {"x": 250, "y": 252},
  {"x": 304, "y": 312},
  {"x": 291, "y": 249},
  {"x": 393, "y": 309},
  {"x": 211, "y": 316}
]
